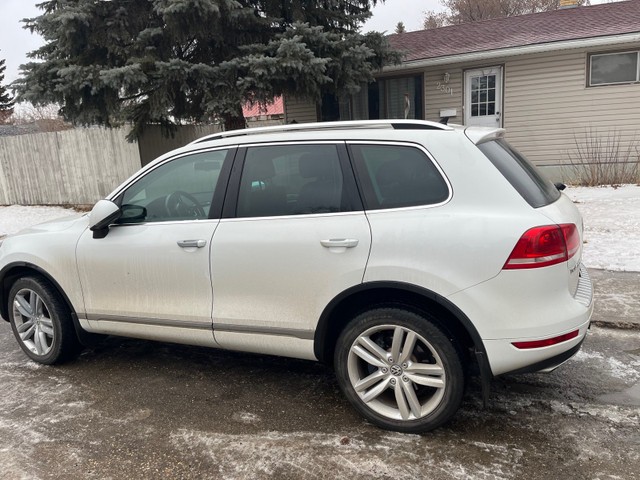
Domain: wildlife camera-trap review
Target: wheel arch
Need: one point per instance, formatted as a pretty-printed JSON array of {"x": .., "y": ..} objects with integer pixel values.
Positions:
[
  {"x": 16, "y": 270},
  {"x": 355, "y": 300}
]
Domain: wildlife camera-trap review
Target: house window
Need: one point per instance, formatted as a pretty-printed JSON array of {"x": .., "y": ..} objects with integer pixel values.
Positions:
[
  {"x": 612, "y": 68},
  {"x": 400, "y": 97},
  {"x": 398, "y": 92}
]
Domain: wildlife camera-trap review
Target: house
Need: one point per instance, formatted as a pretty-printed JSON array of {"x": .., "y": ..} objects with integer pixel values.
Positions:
[
  {"x": 262, "y": 115},
  {"x": 551, "y": 79}
]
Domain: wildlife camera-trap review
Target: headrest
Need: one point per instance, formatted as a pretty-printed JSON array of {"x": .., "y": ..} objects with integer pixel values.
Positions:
[{"x": 262, "y": 169}]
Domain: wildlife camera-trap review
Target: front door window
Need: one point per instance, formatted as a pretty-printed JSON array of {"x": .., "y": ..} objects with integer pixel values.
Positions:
[{"x": 181, "y": 189}]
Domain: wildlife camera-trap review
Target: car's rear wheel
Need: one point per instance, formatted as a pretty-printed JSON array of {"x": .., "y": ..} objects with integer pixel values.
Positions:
[
  {"x": 41, "y": 321},
  {"x": 399, "y": 370}
]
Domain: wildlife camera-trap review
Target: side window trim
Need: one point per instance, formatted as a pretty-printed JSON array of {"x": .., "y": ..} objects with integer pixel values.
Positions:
[
  {"x": 220, "y": 192},
  {"x": 349, "y": 182},
  {"x": 233, "y": 187}
]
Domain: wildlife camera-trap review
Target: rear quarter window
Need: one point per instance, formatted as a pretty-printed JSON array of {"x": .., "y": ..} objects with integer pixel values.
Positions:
[
  {"x": 394, "y": 176},
  {"x": 521, "y": 174}
]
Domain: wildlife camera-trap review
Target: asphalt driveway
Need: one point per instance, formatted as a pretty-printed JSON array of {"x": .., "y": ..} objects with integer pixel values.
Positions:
[{"x": 135, "y": 409}]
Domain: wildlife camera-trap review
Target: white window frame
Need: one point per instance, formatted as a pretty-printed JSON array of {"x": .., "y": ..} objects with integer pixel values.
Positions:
[{"x": 591, "y": 56}]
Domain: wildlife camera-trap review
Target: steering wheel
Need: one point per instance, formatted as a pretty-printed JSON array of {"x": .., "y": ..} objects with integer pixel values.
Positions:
[{"x": 183, "y": 205}]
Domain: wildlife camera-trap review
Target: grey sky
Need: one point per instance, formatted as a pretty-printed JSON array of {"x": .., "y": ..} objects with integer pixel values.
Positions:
[
  {"x": 15, "y": 42},
  {"x": 410, "y": 12}
]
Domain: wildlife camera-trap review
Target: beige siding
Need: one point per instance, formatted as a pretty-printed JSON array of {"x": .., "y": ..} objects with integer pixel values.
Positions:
[
  {"x": 547, "y": 105},
  {"x": 439, "y": 95},
  {"x": 302, "y": 111}
]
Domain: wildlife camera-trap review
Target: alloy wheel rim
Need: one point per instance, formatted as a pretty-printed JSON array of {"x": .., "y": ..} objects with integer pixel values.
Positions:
[
  {"x": 396, "y": 372},
  {"x": 33, "y": 322}
]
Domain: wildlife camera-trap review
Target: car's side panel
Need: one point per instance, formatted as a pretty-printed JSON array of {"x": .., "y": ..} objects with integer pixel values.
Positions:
[
  {"x": 450, "y": 247},
  {"x": 151, "y": 329},
  {"x": 274, "y": 274},
  {"x": 51, "y": 248},
  {"x": 138, "y": 278}
]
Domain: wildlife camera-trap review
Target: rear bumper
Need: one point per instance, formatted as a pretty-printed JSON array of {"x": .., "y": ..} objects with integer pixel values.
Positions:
[
  {"x": 529, "y": 306},
  {"x": 549, "y": 364},
  {"x": 504, "y": 357}
]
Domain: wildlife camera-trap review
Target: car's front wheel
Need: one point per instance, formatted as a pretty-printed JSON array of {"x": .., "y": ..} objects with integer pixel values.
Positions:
[
  {"x": 41, "y": 321},
  {"x": 399, "y": 370}
]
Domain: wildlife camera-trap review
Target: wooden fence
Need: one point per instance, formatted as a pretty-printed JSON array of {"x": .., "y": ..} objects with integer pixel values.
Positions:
[
  {"x": 81, "y": 166},
  {"x": 71, "y": 167}
]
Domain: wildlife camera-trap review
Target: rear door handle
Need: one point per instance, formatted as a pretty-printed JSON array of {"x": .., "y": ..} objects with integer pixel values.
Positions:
[
  {"x": 339, "y": 242},
  {"x": 192, "y": 243}
]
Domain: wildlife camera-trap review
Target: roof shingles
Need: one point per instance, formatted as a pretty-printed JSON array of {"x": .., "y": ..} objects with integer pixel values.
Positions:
[
  {"x": 559, "y": 25},
  {"x": 256, "y": 110}
]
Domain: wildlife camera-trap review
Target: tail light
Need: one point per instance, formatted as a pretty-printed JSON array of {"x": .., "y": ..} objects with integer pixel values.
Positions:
[{"x": 544, "y": 246}]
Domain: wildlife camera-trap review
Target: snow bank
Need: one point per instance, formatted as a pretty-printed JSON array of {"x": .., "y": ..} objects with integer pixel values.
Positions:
[{"x": 611, "y": 225}]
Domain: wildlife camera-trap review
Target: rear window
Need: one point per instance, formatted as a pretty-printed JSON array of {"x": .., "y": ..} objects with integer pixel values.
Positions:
[{"x": 523, "y": 176}]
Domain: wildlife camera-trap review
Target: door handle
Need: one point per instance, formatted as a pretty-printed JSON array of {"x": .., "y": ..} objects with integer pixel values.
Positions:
[
  {"x": 339, "y": 242},
  {"x": 192, "y": 243}
]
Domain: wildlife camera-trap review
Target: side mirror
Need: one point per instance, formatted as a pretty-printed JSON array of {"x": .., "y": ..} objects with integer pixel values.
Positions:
[{"x": 103, "y": 214}]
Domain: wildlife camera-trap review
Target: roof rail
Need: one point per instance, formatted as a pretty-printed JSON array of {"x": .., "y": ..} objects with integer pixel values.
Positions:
[{"x": 319, "y": 126}]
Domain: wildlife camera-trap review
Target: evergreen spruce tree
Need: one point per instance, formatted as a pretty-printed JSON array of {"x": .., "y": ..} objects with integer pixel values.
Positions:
[
  {"x": 173, "y": 61},
  {"x": 6, "y": 100}
]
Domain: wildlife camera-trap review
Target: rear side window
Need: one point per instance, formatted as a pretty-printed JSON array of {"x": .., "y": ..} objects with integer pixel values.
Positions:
[
  {"x": 291, "y": 180},
  {"x": 523, "y": 176},
  {"x": 393, "y": 176}
]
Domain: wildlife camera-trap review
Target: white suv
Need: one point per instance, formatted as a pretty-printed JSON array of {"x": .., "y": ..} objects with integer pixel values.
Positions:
[{"x": 402, "y": 252}]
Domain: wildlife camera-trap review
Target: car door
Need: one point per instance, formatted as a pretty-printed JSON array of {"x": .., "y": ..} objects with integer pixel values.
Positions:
[
  {"x": 150, "y": 276},
  {"x": 293, "y": 236}
]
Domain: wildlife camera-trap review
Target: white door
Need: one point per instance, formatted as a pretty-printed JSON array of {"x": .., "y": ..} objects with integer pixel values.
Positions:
[
  {"x": 152, "y": 269},
  {"x": 483, "y": 97},
  {"x": 299, "y": 239}
]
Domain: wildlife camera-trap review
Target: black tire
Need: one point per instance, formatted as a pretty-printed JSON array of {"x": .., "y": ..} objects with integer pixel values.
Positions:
[
  {"x": 41, "y": 321},
  {"x": 430, "y": 368}
]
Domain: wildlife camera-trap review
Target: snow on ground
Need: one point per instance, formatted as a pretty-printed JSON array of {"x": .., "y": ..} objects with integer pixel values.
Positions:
[
  {"x": 611, "y": 225},
  {"x": 611, "y": 219},
  {"x": 16, "y": 217}
]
